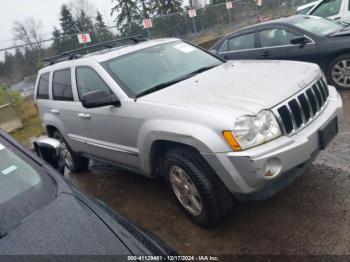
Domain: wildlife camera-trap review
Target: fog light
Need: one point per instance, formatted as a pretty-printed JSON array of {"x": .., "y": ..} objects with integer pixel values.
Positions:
[{"x": 272, "y": 167}]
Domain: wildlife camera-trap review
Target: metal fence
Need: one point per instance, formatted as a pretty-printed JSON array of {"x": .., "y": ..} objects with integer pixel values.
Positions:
[{"x": 19, "y": 64}]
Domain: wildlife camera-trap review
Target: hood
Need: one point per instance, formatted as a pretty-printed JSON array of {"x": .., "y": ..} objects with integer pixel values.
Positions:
[
  {"x": 65, "y": 227},
  {"x": 248, "y": 86}
]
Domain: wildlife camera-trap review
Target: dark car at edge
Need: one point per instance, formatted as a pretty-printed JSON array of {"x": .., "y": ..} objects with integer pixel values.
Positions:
[
  {"x": 42, "y": 214},
  {"x": 301, "y": 38}
]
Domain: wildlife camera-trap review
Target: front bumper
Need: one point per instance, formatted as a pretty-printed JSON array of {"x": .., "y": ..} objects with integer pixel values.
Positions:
[{"x": 243, "y": 173}]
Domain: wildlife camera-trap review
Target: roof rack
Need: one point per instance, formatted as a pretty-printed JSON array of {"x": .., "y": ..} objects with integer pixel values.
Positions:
[{"x": 76, "y": 53}]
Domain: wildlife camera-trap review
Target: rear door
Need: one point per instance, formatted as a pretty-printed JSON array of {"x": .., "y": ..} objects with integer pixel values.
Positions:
[
  {"x": 242, "y": 46},
  {"x": 64, "y": 108},
  {"x": 275, "y": 43}
]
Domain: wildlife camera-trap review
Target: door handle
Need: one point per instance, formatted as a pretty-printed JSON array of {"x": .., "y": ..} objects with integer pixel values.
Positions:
[
  {"x": 226, "y": 57},
  {"x": 265, "y": 54},
  {"x": 55, "y": 111},
  {"x": 84, "y": 116}
]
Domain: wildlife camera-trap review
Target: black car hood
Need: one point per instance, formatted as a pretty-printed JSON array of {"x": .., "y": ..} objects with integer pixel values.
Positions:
[{"x": 64, "y": 227}]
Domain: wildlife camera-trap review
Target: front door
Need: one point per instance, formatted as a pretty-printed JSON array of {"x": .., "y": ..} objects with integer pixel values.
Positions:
[
  {"x": 275, "y": 43},
  {"x": 106, "y": 127}
]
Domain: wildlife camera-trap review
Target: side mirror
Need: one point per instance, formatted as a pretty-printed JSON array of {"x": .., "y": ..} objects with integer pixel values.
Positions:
[
  {"x": 49, "y": 150},
  {"x": 98, "y": 99},
  {"x": 300, "y": 40},
  {"x": 214, "y": 52}
]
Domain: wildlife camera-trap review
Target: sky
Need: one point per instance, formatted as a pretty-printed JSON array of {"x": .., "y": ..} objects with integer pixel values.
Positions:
[{"x": 45, "y": 10}]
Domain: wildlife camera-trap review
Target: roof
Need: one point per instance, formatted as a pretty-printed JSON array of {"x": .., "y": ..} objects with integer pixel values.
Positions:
[
  {"x": 283, "y": 20},
  {"x": 104, "y": 56},
  {"x": 110, "y": 49}
]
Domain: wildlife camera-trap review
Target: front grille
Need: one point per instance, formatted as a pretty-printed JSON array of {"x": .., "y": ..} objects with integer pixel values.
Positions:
[{"x": 302, "y": 108}]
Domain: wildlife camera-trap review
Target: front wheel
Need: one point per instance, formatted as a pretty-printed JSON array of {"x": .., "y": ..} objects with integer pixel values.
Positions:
[
  {"x": 73, "y": 162},
  {"x": 339, "y": 72},
  {"x": 198, "y": 191}
]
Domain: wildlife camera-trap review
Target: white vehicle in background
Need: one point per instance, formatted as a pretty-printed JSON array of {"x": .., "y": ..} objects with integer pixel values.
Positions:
[
  {"x": 304, "y": 9},
  {"x": 337, "y": 10}
]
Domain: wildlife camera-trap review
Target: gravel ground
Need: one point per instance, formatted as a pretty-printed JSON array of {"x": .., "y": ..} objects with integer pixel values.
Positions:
[{"x": 310, "y": 217}]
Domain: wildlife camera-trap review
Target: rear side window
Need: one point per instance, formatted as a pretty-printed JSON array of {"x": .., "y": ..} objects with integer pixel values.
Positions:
[
  {"x": 88, "y": 80},
  {"x": 43, "y": 87},
  {"x": 62, "y": 85}
]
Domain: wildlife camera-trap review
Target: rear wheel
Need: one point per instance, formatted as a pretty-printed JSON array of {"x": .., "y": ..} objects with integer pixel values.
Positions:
[
  {"x": 198, "y": 191},
  {"x": 339, "y": 72},
  {"x": 73, "y": 162}
]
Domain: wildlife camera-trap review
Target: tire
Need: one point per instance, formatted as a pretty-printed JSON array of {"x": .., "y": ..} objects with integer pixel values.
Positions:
[
  {"x": 213, "y": 197},
  {"x": 338, "y": 70},
  {"x": 72, "y": 161}
]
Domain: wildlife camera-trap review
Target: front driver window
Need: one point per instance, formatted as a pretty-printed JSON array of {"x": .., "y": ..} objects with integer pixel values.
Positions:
[
  {"x": 242, "y": 42},
  {"x": 275, "y": 37},
  {"x": 88, "y": 80},
  {"x": 327, "y": 8}
]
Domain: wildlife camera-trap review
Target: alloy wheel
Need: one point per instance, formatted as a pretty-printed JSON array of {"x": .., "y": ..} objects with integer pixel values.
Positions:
[
  {"x": 185, "y": 190},
  {"x": 341, "y": 73}
]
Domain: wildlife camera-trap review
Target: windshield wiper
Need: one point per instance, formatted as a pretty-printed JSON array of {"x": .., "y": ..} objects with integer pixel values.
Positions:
[
  {"x": 202, "y": 69},
  {"x": 176, "y": 80},
  {"x": 159, "y": 87}
]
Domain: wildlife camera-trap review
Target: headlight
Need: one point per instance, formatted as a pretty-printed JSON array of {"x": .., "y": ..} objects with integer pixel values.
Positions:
[{"x": 251, "y": 131}]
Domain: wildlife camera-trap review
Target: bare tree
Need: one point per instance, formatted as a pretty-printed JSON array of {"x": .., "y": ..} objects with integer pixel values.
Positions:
[{"x": 28, "y": 31}]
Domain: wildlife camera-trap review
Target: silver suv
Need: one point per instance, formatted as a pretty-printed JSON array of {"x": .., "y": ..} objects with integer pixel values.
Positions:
[{"x": 213, "y": 129}]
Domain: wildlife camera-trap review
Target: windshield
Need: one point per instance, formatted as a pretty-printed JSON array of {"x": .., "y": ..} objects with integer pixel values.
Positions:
[
  {"x": 317, "y": 25},
  {"x": 159, "y": 66},
  {"x": 327, "y": 8},
  {"x": 23, "y": 188}
]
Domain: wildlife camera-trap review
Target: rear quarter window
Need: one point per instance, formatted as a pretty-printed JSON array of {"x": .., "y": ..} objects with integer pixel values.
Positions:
[
  {"x": 43, "y": 87},
  {"x": 62, "y": 85}
]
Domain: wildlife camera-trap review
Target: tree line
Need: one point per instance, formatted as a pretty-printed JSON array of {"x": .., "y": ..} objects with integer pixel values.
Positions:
[{"x": 170, "y": 18}]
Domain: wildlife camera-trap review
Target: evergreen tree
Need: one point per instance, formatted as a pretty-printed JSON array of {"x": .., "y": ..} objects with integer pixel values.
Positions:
[
  {"x": 69, "y": 30},
  {"x": 145, "y": 8},
  {"x": 102, "y": 33},
  {"x": 84, "y": 23},
  {"x": 166, "y": 7},
  {"x": 57, "y": 39},
  {"x": 9, "y": 64},
  {"x": 19, "y": 64},
  {"x": 67, "y": 22},
  {"x": 128, "y": 20},
  {"x": 31, "y": 62}
]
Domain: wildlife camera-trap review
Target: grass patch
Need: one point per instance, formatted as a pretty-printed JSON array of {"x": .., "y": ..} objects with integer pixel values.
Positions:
[{"x": 31, "y": 128}]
